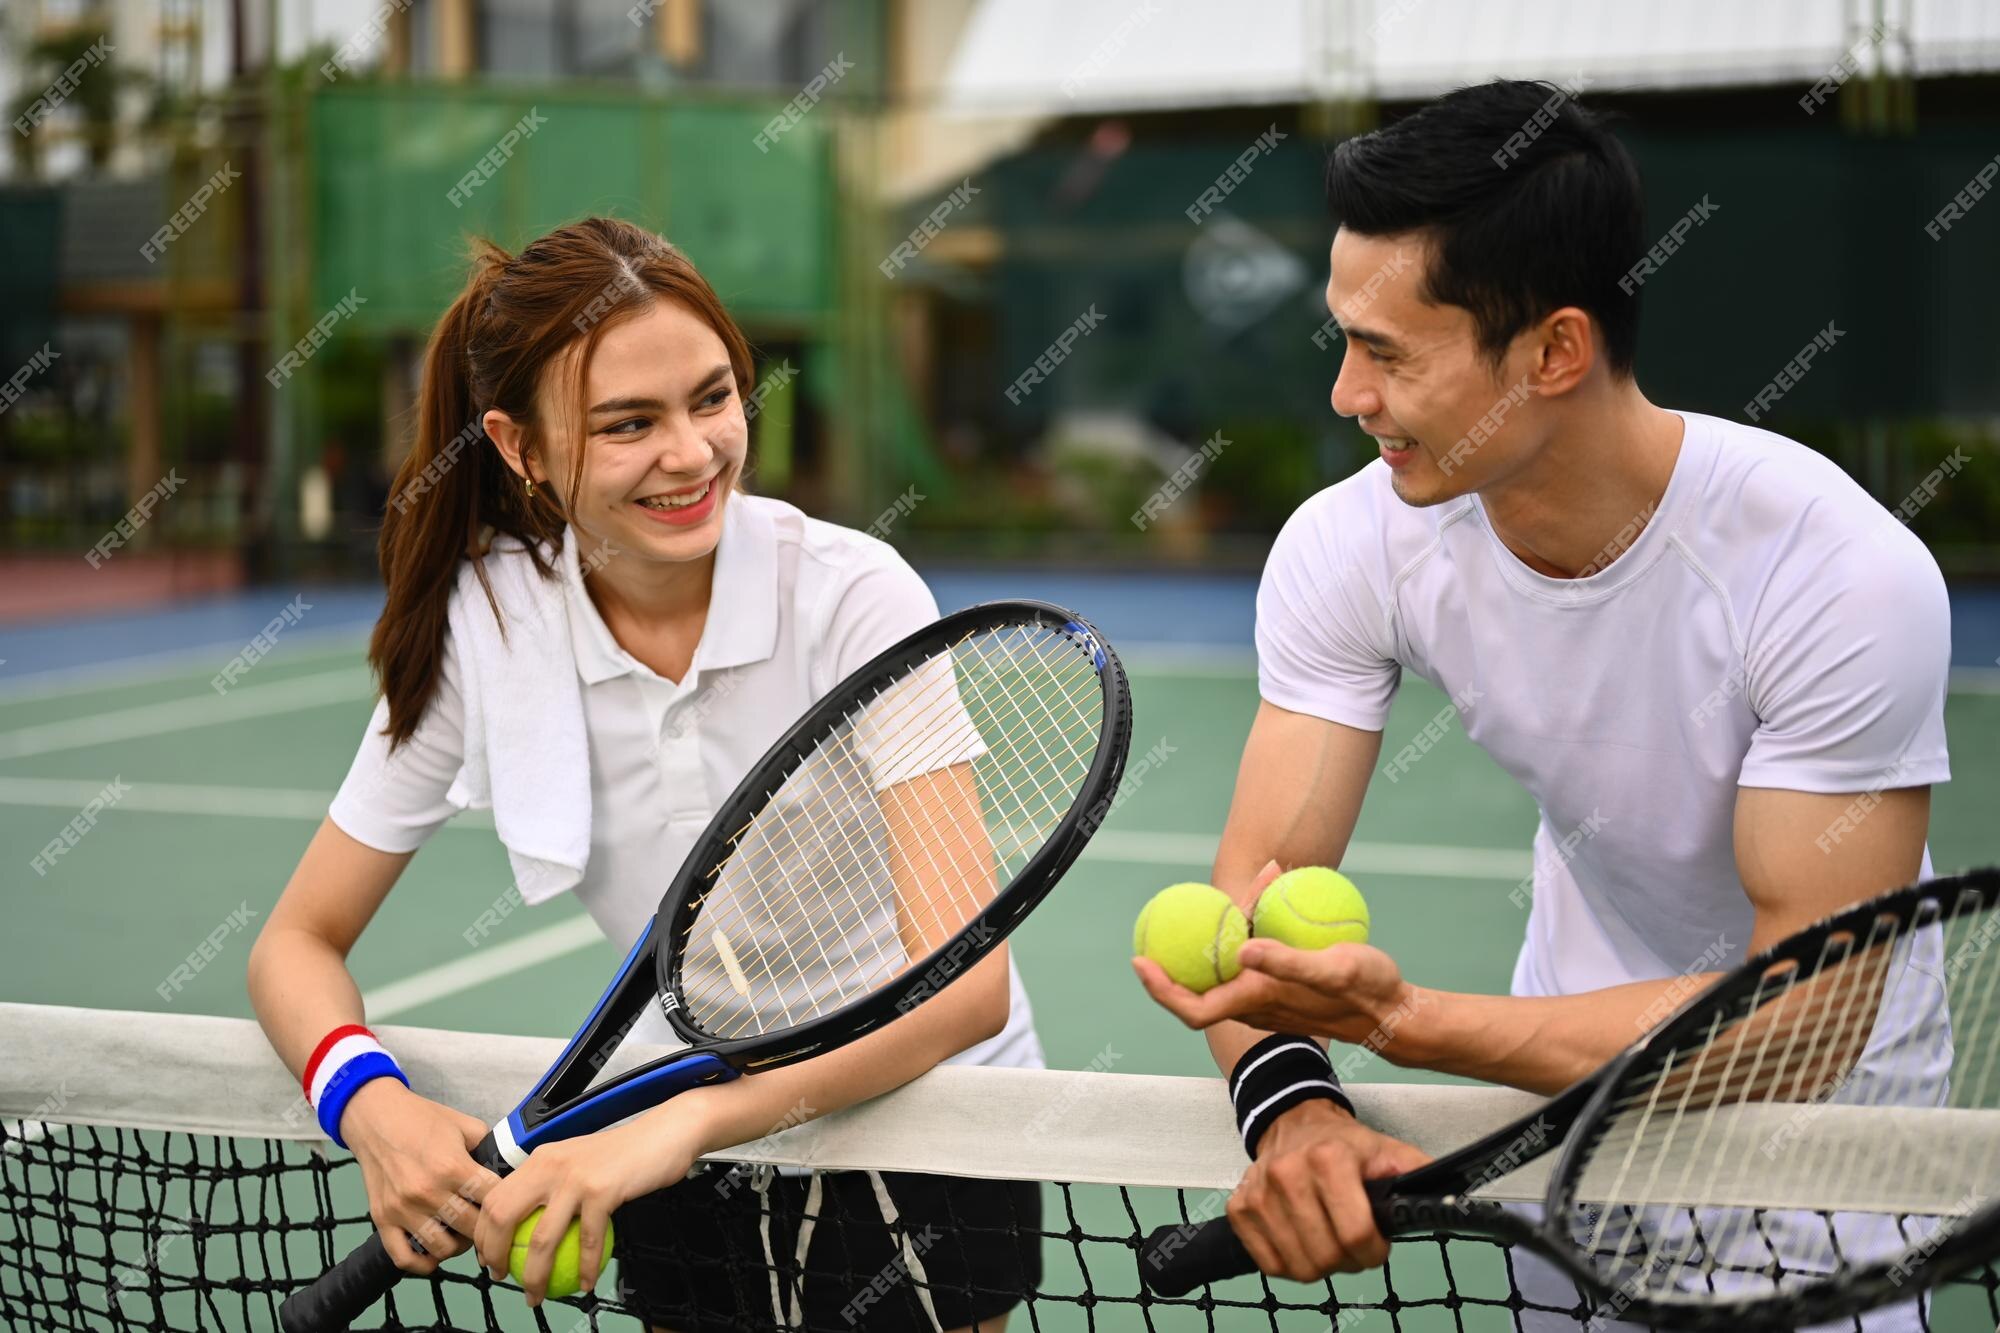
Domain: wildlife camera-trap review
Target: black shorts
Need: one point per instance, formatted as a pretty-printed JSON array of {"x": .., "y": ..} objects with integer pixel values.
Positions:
[{"x": 693, "y": 1258}]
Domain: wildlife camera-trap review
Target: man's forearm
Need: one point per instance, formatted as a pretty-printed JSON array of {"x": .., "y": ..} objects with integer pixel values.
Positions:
[
  {"x": 1533, "y": 1042},
  {"x": 1228, "y": 1041},
  {"x": 1236, "y": 875}
]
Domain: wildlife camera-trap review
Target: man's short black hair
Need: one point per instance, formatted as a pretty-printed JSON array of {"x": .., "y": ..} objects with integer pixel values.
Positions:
[{"x": 1530, "y": 202}]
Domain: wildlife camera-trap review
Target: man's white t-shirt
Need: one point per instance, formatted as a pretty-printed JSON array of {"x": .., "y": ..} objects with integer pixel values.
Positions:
[
  {"x": 1770, "y": 626},
  {"x": 796, "y": 605}
]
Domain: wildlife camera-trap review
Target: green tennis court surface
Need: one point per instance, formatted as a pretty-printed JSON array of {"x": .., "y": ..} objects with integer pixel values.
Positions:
[
  {"x": 224, "y": 791},
  {"x": 213, "y": 797}
]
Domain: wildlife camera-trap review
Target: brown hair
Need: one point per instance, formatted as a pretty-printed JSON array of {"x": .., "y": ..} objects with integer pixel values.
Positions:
[{"x": 515, "y": 317}]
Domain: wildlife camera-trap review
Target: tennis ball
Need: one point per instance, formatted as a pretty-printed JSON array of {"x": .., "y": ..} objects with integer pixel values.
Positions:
[
  {"x": 564, "y": 1279},
  {"x": 1310, "y": 908},
  {"x": 1193, "y": 931}
]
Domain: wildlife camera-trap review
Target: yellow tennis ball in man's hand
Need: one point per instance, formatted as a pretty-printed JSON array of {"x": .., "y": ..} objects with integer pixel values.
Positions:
[
  {"x": 1310, "y": 908},
  {"x": 1193, "y": 931},
  {"x": 564, "y": 1279}
]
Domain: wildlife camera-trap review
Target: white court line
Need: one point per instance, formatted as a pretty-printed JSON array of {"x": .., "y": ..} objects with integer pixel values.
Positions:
[
  {"x": 188, "y": 714},
  {"x": 183, "y": 798},
  {"x": 492, "y": 962},
  {"x": 1188, "y": 850},
  {"x": 1191, "y": 851},
  {"x": 1975, "y": 680},
  {"x": 151, "y": 668},
  {"x": 488, "y": 963},
  {"x": 1200, "y": 661},
  {"x": 1197, "y": 850}
]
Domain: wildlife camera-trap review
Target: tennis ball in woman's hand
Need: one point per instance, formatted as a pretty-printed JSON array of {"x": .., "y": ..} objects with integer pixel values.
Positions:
[
  {"x": 1193, "y": 931},
  {"x": 1310, "y": 908},
  {"x": 564, "y": 1280}
]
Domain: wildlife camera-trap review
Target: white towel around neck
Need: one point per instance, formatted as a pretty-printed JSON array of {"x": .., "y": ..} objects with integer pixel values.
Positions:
[{"x": 527, "y": 755}]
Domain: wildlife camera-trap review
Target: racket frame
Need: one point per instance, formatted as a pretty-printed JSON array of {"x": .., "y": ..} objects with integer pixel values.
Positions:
[
  {"x": 1864, "y": 1286},
  {"x": 1437, "y": 1198},
  {"x": 979, "y": 936},
  {"x": 565, "y": 1104}
]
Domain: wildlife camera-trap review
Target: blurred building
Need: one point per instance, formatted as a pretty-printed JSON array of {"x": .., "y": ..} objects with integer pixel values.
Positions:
[
  {"x": 1828, "y": 133},
  {"x": 907, "y": 203},
  {"x": 107, "y": 103},
  {"x": 153, "y": 52}
]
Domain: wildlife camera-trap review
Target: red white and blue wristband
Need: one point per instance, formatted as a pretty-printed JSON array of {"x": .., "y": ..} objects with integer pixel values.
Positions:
[{"x": 345, "y": 1059}]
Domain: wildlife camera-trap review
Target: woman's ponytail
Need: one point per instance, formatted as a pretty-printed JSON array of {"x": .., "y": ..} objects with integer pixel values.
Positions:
[{"x": 435, "y": 515}]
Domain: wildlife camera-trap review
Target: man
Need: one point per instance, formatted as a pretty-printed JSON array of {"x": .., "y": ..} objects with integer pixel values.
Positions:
[{"x": 1715, "y": 662}]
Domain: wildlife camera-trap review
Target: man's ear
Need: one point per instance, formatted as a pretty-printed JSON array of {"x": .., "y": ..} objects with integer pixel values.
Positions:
[{"x": 1568, "y": 350}]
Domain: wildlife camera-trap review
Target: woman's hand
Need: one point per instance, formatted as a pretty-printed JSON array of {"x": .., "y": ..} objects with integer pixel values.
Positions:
[
  {"x": 584, "y": 1180},
  {"x": 416, "y": 1161},
  {"x": 1348, "y": 992}
]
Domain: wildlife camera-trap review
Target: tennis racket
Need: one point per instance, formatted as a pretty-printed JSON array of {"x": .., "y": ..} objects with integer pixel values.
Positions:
[
  {"x": 886, "y": 844},
  {"x": 1742, "y": 1165}
]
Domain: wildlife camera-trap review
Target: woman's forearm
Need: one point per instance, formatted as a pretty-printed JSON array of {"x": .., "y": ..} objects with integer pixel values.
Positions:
[
  {"x": 301, "y": 990},
  {"x": 298, "y": 979},
  {"x": 965, "y": 1013}
]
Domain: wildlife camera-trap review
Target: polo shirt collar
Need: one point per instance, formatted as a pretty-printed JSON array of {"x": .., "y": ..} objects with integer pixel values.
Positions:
[{"x": 742, "y": 625}]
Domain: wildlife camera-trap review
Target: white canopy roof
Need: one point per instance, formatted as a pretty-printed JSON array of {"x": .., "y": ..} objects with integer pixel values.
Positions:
[{"x": 1059, "y": 57}]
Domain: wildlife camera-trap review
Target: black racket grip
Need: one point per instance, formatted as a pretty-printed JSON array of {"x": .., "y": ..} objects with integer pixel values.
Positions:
[
  {"x": 365, "y": 1276},
  {"x": 1174, "y": 1260},
  {"x": 337, "y": 1299}
]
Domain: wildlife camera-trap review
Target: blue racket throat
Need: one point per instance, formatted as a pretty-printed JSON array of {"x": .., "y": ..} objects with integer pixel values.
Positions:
[
  {"x": 516, "y": 1141},
  {"x": 640, "y": 955}
]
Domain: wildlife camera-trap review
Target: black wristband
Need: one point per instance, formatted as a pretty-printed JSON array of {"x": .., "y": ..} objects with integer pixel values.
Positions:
[{"x": 1275, "y": 1075}]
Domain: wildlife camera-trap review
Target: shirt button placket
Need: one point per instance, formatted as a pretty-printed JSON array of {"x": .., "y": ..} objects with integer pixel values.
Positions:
[{"x": 681, "y": 775}]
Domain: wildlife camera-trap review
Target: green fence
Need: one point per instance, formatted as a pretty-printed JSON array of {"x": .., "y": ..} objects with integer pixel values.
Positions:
[
  {"x": 1211, "y": 328},
  {"x": 397, "y": 188}
]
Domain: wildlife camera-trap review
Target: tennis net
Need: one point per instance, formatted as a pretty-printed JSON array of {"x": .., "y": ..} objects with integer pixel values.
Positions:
[{"x": 163, "y": 1173}]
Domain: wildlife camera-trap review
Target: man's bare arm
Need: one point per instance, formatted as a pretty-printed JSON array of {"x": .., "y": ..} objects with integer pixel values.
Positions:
[
  {"x": 1544, "y": 1043},
  {"x": 1298, "y": 795},
  {"x": 1300, "y": 1208}
]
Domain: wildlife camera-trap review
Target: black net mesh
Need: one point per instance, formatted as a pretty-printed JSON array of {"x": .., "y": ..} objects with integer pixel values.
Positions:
[{"x": 105, "y": 1228}]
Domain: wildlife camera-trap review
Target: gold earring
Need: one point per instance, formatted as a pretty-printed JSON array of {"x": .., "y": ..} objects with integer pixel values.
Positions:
[{"x": 529, "y": 482}]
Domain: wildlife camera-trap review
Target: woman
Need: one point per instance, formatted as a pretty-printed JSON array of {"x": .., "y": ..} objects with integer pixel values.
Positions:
[{"x": 590, "y": 628}]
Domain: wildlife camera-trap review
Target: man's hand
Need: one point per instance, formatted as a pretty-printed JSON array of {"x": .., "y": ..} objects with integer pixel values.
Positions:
[
  {"x": 1348, "y": 992},
  {"x": 1300, "y": 1209}
]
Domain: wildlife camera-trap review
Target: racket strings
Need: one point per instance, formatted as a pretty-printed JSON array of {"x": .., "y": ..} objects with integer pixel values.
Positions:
[
  {"x": 947, "y": 822},
  {"x": 814, "y": 884},
  {"x": 1706, "y": 1093},
  {"x": 895, "y": 831},
  {"x": 1075, "y": 700},
  {"x": 1839, "y": 1075},
  {"x": 808, "y": 788},
  {"x": 1701, "y": 1094},
  {"x": 1773, "y": 1144},
  {"x": 782, "y": 910},
  {"x": 824, "y": 822}
]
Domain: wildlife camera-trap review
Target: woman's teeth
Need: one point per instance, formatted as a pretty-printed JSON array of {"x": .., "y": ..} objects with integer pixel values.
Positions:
[
  {"x": 1398, "y": 445},
  {"x": 676, "y": 501}
]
